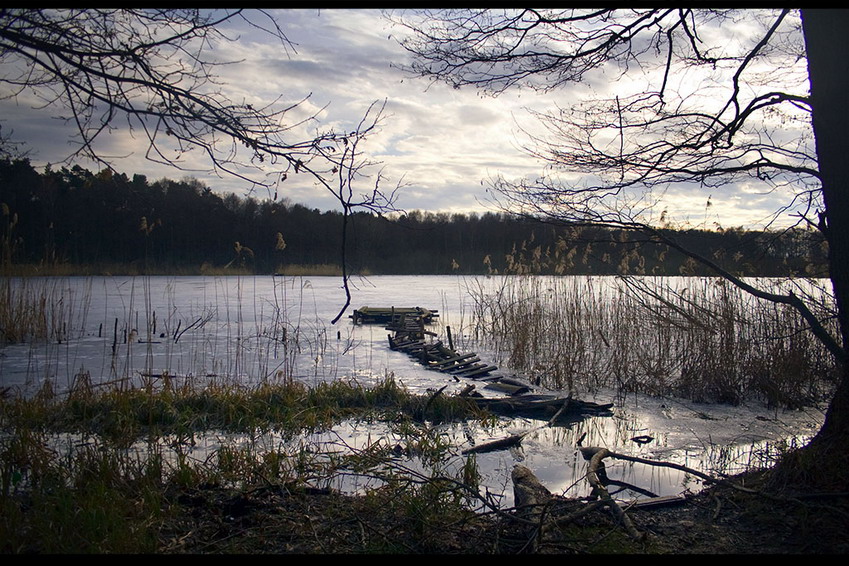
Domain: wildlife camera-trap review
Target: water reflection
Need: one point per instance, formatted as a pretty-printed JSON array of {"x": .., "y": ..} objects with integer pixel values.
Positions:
[{"x": 552, "y": 453}]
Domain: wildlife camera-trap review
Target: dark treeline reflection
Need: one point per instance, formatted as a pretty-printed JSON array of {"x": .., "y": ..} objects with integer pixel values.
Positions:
[{"x": 74, "y": 216}]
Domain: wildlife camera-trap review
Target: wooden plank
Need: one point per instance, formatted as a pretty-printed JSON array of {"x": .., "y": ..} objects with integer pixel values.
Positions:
[
  {"x": 507, "y": 388},
  {"x": 477, "y": 371},
  {"x": 455, "y": 359},
  {"x": 460, "y": 368},
  {"x": 397, "y": 344},
  {"x": 374, "y": 315},
  {"x": 411, "y": 346}
]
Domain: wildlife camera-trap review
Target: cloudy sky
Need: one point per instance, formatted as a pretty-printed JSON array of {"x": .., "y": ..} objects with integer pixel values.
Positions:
[{"x": 442, "y": 144}]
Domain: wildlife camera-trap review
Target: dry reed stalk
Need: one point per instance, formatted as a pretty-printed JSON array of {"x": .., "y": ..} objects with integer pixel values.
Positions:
[{"x": 708, "y": 341}]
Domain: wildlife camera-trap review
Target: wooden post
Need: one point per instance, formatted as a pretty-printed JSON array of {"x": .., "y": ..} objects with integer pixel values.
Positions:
[{"x": 450, "y": 341}]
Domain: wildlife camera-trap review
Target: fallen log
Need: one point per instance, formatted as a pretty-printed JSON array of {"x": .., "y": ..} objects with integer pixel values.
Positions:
[
  {"x": 596, "y": 464},
  {"x": 495, "y": 445},
  {"x": 513, "y": 439},
  {"x": 590, "y": 451},
  {"x": 543, "y": 406}
]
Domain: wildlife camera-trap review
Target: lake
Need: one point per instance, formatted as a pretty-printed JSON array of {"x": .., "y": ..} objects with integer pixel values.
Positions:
[
  {"x": 250, "y": 329},
  {"x": 228, "y": 328}
]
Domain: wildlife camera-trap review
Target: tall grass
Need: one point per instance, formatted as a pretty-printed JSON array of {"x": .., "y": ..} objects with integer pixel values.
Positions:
[
  {"x": 708, "y": 341},
  {"x": 228, "y": 332},
  {"x": 40, "y": 310}
]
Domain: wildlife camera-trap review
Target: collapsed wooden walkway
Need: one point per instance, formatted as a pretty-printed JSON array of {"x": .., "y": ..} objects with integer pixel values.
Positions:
[
  {"x": 438, "y": 357},
  {"x": 412, "y": 337}
]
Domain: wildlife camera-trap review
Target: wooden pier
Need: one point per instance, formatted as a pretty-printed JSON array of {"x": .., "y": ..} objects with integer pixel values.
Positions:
[
  {"x": 410, "y": 335},
  {"x": 392, "y": 315}
]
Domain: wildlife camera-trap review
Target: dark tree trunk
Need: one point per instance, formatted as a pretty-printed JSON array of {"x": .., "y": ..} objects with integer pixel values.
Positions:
[{"x": 827, "y": 41}]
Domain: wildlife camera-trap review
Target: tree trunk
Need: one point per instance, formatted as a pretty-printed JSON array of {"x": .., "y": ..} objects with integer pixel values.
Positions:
[{"x": 827, "y": 42}]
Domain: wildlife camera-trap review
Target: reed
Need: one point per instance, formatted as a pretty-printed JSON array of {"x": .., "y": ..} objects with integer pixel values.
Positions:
[
  {"x": 125, "y": 414},
  {"x": 708, "y": 341},
  {"x": 297, "y": 270},
  {"x": 39, "y": 310}
]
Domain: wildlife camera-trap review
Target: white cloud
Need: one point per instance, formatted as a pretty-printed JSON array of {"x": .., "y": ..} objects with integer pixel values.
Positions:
[{"x": 442, "y": 142}]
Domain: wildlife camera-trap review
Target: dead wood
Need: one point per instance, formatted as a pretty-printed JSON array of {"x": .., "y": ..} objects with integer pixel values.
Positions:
[
  {"x": 500, "y": 444},
  {"x": 596, "y": 463},
  {"x": 514, "y": 439},
  {"x": 433, "y": 397},
  {"x": 542, "y": 406},
  {"x": 589, "y": 452},
  {"x": 528, "y": 492}
]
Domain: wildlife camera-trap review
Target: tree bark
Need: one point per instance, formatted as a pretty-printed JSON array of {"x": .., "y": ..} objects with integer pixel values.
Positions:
[{"x": 827, "y": 42}]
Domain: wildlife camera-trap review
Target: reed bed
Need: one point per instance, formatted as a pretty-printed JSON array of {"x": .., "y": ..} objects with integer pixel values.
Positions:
[
  {"x": 40, "y": 310},
  {"x": 229, "y": 333},
  {"x": 699, "y": 338}
]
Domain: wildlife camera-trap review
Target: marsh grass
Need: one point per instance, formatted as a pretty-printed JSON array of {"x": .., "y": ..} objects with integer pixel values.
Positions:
[
  {"x": 124, "y": 414},
  {"x": 708, "y": 341},
  {"x": 102, "y": 467},
  {"x": 94, "y": 470},
  {"x": 232, "y": 334}
]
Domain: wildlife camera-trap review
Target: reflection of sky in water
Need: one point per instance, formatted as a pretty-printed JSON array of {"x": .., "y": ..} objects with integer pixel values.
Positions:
[
  {"x": 245, "y": 329},
  {"x": 551, "y": 453}
]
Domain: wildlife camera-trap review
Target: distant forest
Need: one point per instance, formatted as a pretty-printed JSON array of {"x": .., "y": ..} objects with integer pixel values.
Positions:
[{"x": 76, "y": 217}]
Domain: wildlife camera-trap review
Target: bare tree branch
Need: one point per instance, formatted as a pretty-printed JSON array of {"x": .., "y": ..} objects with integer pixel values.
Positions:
[
  {"x": 697, "y": 108},
  {"x": 155, "y": 69}
]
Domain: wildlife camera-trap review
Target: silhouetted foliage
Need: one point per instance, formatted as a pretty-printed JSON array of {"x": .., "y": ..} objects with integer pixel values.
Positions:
[{"x": 72, "y": 215}]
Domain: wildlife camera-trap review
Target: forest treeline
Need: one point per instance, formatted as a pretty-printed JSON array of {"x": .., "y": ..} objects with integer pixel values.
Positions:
[{"x": 71, "y": 216}]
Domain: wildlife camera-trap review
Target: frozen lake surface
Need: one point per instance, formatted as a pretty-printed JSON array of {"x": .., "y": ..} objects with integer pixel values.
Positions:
[
  {"x": 250, "y": 329},
  {"x": 228, "y": 328}
]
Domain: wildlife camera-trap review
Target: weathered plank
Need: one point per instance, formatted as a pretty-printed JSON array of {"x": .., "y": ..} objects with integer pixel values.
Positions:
[
  {"x": 465, "y": 365},
  {"x": 383, "y": 315},
  {"x": 480, "y": 370},
  {"x": 449, "y": 361}
]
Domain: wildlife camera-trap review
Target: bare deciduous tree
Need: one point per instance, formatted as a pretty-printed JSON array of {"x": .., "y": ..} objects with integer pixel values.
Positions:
[
  {"x": 673, "y": 97},
  {"x": 152, "y": 71}
]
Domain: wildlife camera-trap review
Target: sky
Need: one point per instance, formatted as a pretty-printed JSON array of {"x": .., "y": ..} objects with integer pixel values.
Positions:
[{"x": 441, "y": 145}]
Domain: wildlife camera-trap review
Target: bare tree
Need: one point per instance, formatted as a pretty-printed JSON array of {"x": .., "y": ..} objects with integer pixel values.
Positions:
[
  {"x": 152, "y": 71},
  {"x": 675, "y": 97},
  {"x": 351, "y": 169}
]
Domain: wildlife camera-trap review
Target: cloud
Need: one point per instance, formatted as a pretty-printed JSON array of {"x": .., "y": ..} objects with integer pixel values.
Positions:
[{"x": 439, "y": 141}]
